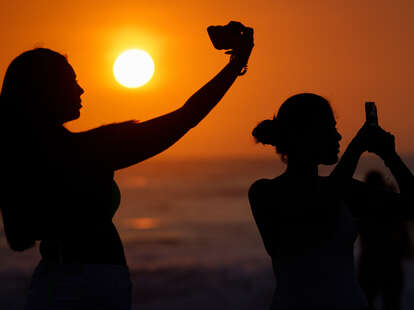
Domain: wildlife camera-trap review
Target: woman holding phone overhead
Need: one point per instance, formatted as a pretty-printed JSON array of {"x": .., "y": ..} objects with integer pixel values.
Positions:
[
  {"x": 60, "y": 183},
  {"x": 307, "y": 221}
]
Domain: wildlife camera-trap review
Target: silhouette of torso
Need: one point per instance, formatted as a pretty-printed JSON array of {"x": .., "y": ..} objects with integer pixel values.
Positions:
[
  {"x": 76, "y": 199},
  {"x": 309, "y": 234}
]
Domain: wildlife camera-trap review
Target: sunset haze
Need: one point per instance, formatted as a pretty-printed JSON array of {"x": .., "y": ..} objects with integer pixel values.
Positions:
[{"x": 347, "y": 51}]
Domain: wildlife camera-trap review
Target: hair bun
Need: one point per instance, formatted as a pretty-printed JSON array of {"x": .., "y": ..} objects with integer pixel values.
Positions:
[{"x": 265, "y": 132}]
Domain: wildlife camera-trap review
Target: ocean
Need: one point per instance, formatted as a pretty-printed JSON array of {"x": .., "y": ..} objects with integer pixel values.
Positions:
[{"x": 189, "y": 236}]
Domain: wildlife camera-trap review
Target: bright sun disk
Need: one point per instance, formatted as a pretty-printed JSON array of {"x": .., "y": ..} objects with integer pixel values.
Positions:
[{"x": 133, "y": 68}]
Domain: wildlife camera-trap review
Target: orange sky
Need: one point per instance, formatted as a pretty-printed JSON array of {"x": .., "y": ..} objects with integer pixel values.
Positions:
[{"x": 349, "y": 51}]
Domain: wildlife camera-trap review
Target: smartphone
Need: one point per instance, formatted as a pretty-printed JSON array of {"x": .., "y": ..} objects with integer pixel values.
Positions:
[{"x": 371, "y": 113}]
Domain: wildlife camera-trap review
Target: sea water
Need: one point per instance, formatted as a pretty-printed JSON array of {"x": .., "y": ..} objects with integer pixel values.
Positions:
[{"x": 188, "y": 233}]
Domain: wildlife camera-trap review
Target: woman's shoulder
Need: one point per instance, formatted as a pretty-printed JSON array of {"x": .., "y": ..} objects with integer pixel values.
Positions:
[
  {"x": 262, "y": 188},
  {"x": 259, "y": 185}
]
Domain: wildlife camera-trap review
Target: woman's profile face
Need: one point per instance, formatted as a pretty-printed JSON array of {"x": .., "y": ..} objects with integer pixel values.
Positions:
[
  {"x": 326, "y": 140},
  {"x": 318, "y": 140},
  {"x": 66, "y": 95}
]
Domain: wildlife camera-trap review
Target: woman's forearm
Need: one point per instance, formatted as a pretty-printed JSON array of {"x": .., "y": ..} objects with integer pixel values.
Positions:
[
  {"x": 207, "y": 97},
  {"x": 345, "y": 168}
]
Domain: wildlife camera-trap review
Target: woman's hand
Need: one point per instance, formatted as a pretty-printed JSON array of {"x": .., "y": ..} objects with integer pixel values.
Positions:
[
  {"x": 376, "y": 140},
  {"x": 381, "y": 143},
  {"x": 369, "y": 138},
  {"x": 240, "y": 54}
]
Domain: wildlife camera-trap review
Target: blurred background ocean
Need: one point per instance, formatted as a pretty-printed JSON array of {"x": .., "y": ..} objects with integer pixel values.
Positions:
[{"x": 189, "y": 236}]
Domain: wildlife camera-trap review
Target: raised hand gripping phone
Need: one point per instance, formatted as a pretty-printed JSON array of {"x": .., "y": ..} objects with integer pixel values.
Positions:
[{"x": 371, "y": 113}]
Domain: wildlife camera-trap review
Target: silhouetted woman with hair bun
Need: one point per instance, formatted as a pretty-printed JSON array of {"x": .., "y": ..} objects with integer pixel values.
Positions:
[
  {"x": 307, "y": 222},
  {"x": 266, "y": 132},
  {"x": 60, "y": 186}
]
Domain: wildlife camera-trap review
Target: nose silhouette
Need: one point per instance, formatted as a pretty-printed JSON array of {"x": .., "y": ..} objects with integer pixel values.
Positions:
[{"x": 81, "y": 90}]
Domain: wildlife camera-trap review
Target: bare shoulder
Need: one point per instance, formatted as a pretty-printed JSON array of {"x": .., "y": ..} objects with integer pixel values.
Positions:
[
  {"x": 262, "y": 189},
  {"x": 259, "y": 186}
]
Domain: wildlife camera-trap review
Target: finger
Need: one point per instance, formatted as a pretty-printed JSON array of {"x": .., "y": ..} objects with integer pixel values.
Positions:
[
  {"x": 365, "y": 127},
  {"x": 391, "y": 136},
  {"x": 380, "y": 129},
  {"x": 248, "y": 32},
  {"x": 247, "y": 38},
  {"x": 376, "y": 131}
]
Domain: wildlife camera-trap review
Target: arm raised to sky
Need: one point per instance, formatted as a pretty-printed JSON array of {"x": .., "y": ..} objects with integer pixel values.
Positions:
[
  {"x": 121, "y": 145},
  {"x": 364, "y": 199}
]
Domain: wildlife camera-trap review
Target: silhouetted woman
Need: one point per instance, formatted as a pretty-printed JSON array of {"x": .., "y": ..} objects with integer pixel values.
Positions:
[
  {"x": 307, "y": 221},
  {"x": 60, "y": 183}
]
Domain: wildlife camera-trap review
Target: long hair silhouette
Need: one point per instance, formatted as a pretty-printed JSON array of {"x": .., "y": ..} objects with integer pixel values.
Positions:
[
  {"x": 38, "y": 93},
  {"x": 59, "y": 184}
]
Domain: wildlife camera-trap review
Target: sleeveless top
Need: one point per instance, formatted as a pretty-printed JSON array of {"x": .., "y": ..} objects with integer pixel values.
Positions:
[
  {"x": 324, "y": 276},
  {"x": 80, "y": 198}
]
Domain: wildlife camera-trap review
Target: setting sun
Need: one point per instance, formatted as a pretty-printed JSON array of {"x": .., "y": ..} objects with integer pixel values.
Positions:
[{"x": 133, "y": 68}]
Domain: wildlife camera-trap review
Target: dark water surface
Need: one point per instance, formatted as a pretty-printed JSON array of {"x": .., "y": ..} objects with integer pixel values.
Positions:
[{"x": 189, "y": 236}]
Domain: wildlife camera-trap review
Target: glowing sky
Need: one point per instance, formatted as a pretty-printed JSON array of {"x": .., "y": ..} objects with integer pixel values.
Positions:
[{"x": 348, "y": 51}]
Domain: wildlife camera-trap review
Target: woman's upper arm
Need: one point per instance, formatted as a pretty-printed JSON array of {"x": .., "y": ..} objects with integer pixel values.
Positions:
[
  {"x": 366, "y": 201},
  {"x": 120, "y": 145},
  {"x": 264, "y": 214},
  {"x": 260, "y": 203},
  {"x": 257, "y": 192}
]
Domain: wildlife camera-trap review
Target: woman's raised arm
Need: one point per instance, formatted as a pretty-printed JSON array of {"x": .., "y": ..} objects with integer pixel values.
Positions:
[
  {"x": 124, "y": 144},
  {"x": 364, "y": 199}
]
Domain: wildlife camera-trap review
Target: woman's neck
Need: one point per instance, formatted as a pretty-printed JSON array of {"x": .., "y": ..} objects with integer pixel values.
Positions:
[
  {"x": 47, "y": 128},
  {"x": 302, "y": 168}
]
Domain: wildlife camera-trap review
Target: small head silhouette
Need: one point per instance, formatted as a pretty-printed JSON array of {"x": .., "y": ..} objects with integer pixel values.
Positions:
[
  {"x": 40, "y": 85},
  {"x": 305, "y": 126}
]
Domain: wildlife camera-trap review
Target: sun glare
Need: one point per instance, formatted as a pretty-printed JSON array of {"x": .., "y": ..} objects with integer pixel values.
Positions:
[{"x": 133, "y": 68}]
